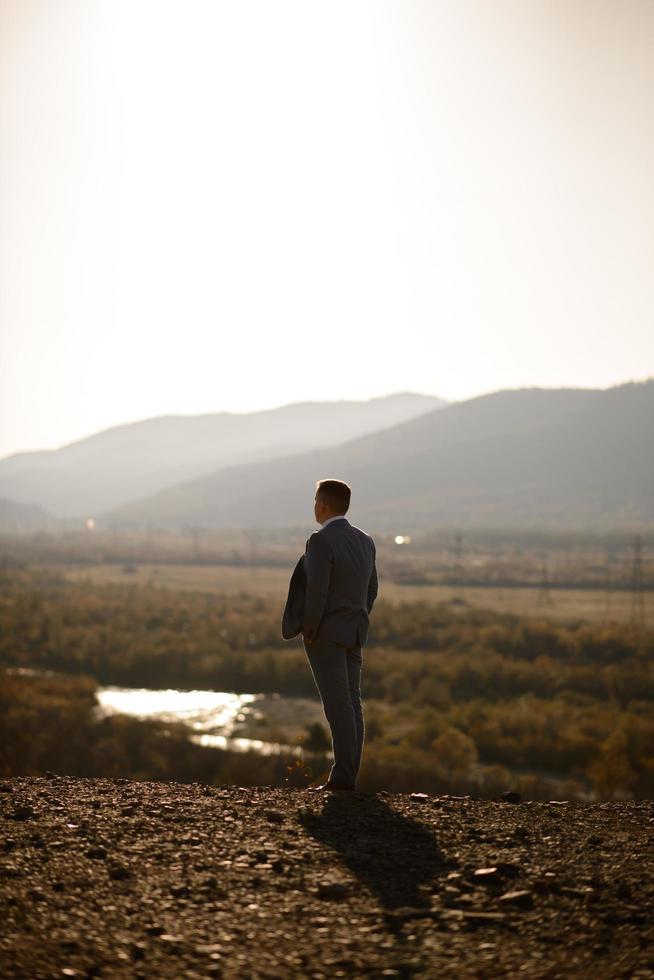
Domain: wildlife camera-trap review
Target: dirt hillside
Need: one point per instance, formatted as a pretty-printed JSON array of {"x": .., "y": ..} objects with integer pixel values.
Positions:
[{"x": 110, "y": 878}]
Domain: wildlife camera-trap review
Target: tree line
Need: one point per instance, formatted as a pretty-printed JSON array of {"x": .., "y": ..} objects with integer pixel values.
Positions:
[{"x": 456, "y": 696}]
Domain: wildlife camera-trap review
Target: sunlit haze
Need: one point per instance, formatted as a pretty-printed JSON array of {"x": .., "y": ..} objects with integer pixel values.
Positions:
[{"x": 231, "y": 206}]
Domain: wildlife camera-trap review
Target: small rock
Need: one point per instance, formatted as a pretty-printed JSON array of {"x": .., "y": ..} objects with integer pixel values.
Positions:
[
  {"x": 138, "y": 951},
  {"x": 97, "y": 853},
  {"x": 546, "y": 886},
  {"x": 274, "y": 816},
  {"x": 332, "y": 889},
  {"x": 511, "y": 797},
  {"x": 10, "y": 871},
  {"x": 419, "y": 797},
  {"x": 118, "y": 872},
  {"x": 23, "y": 813},
  {"x": 508, "y": 870},
  {"x": 522, "y": 899},
  {"x": 486, "y": 874},
  {"x": 6, "y": 788}
]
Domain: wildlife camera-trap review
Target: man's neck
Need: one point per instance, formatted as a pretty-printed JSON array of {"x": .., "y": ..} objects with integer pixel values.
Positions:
[{"x": 334, "y": 517}]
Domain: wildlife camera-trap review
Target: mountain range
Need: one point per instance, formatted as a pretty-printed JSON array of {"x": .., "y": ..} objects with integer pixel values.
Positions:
[
  {"x": 551, "y": 458},
  {"x": 116, "y": 466}
]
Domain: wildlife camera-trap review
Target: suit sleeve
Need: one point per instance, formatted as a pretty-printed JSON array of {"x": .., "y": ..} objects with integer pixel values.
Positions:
[
  {"x": 373, "y": 584},
  {"x": 318, "y": 565}
]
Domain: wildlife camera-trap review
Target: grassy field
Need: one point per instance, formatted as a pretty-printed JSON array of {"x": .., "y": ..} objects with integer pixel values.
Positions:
[{"x": 594, "y": 605}]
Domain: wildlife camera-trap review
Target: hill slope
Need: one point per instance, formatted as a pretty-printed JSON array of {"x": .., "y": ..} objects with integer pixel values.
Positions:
[
  {"x": 121, "y": 879},
  {"x": 21, "y": 517},
  {"x": 548, "y": 457},
  {"x": 129, "y": 461}
]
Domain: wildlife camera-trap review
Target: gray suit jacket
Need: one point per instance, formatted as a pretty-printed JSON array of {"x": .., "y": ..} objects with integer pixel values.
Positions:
[
  {"x": 294, "y": 608},
  {"x": 337, "y": 582}
]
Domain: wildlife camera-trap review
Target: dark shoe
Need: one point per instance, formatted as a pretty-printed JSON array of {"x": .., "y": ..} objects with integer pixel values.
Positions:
[{"x": 332, "y": 788}]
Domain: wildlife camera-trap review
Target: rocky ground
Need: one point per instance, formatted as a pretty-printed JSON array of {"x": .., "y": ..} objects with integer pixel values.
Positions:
[{"x": 109, "y": 878}]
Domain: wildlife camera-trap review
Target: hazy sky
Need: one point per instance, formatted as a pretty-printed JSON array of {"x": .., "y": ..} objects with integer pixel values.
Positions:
[{"x": 233, "y": 205}]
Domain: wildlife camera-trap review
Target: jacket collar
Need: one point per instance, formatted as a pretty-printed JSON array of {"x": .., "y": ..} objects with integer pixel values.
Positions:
[{"x": 333, "y": 520}]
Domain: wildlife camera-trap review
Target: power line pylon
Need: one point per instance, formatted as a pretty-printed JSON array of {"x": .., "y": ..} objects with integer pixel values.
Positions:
[
  {"x": 637, "y": 596},
  {"x": 544, "y": 595},
  {"x": 458, "y": 561},
  {"x": 608, "y": 587}
]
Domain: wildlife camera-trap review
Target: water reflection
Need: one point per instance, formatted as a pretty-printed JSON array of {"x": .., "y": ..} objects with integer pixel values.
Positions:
[
  {"x": 202, "y": 710},
  {"x": 243, "y": 744},
  {"x": 211, "y": 715}
]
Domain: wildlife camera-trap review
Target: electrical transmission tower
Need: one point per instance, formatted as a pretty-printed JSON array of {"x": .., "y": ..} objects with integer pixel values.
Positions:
[
  {"x": 457, "y": 568},
  {"x": 608, "y": 587},
  {"x": 458, "y": 553},
  {"x": 637, "y": 596},
  {"x": 544, "y": 596}
]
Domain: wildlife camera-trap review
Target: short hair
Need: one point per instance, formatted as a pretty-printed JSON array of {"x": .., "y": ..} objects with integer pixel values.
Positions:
[{"x": 335, "y": 494}]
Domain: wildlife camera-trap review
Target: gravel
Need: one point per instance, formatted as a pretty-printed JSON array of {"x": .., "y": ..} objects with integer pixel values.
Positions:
[{"x": 112, "y": 878}]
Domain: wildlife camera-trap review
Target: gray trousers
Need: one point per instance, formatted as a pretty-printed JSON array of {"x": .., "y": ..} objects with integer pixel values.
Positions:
[{"x": 337, "y": 672}]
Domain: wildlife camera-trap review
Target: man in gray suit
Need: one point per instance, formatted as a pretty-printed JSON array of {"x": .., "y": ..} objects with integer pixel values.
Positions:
[{"x": 341, "y": 587}]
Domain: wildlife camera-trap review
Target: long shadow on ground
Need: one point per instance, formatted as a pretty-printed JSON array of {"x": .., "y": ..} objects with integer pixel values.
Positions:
[{"x": 390, "y": 854}]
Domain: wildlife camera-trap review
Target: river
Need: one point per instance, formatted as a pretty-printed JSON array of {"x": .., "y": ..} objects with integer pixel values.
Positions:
[{"x": 220, "y": 719}]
